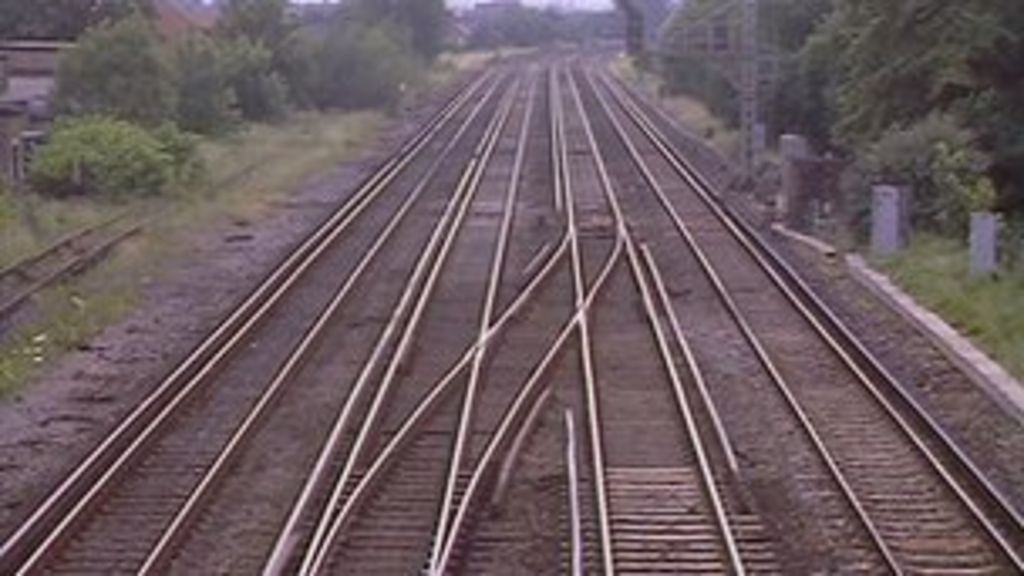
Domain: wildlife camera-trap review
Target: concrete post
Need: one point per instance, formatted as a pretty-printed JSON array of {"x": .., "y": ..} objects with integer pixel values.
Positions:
[
  {"x": 792, "y": 147},
  {"x": 890, "y": 219},
  {"x": 984, "y": 243}
]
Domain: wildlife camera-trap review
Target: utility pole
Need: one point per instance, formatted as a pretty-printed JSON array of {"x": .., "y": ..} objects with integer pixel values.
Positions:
[{"x": 753, "y": 131}]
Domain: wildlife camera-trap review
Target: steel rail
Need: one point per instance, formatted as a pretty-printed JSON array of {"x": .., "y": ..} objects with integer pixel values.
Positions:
[
  {"x": 417, "y": 297},
  {"x": 693, "y": 366},
  {"x": 557, "y": 132},
  {"x": 683, "y": 404},
  {"x": 48, "y": 523},
  {"x": 774, "y": 374},
  {"x": 573, "y": 480},
  {"x": 12, "y": 303},
  {"x": 528, "y": 390},
  {"x": 288, "y": 535},
  {"x": 518, "y": 408},
  {"x": 442, "y": 388},
  {"x": 586, "y": 348},
  {"x": 18, "y": 267},
  {"x": 693, "y": 434},
  {"x": 848, "y": 349},
  {"x": 486, "y": 319},
  {"x": 159, "y": 552}
]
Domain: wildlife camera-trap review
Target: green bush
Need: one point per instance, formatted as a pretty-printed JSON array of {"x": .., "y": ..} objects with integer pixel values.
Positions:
[
  {"x": 206, "y": 99},
  {"x": 259, "y": 91},
  {"x": 102, "y": 156},
  {"x": 182, "y": 149},
  {"x": 117, "y": 70},
  {"x": 362, "y": 67},
  {"x": 939, "y": 160}
]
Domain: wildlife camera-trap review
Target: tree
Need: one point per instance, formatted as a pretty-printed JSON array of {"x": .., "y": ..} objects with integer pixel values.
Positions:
[
  {"x": 263, "y": 22},
  {"x": 360, "y": 67},
  {"x": 899, "y": 62},
  {"x": 63, "y": 19},
  {"x": 259, "y": 91},
  {"x": 206, "y": 100},
  {"x": 117, "y": 69},
  {"x": 423, "y": 20}
]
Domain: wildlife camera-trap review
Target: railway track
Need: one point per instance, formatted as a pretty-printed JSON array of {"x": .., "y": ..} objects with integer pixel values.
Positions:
[
  {"x": 22, "y": 280},
  {"x": 539, "y": 253},
  {"x": 900, "y": 481},
  {"x": 108, "y": 514}
]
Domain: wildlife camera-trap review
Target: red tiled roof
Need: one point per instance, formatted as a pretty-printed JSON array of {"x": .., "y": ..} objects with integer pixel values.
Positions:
[{"x": 175, "y": 20}]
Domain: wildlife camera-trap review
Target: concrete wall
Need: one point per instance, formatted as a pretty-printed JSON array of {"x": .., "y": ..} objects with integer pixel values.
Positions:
[{"x": 32, "y": 58}]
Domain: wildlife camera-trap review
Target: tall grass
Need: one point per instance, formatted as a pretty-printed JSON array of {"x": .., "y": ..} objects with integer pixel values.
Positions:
[{"x": 990, "y": 311}]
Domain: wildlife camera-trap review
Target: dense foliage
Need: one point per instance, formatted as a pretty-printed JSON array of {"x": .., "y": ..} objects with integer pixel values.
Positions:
[
  {"x": 96, "y": 155},
  {"x": 923, "y": 91},
  {"x": 62, "y": 19},
  {"x": 117, "y": 69},
  {"x": 422, "y": 21},
  {"x": 206, "y": 101},
  {"x": 125, "y": 92}
]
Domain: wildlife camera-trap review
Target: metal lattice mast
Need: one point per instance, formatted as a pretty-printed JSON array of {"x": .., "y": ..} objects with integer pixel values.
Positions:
[{"x": 749, "y": 88}]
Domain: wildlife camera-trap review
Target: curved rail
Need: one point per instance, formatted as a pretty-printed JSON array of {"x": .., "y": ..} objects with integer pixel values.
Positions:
[
  {"x": 414, "y": 299},
  {"x": 486, "y": 319},
  {"x": 160, "y": 551},
  {"x": 847, "y": 349},
  {"x": 725, "y": 532},
  {"x": 52, "y": 519}
]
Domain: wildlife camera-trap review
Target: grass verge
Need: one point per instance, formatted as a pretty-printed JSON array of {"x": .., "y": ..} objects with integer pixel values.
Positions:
[
  {"x": 247, "y": 174},
  {"x": 987, "y": 310}
]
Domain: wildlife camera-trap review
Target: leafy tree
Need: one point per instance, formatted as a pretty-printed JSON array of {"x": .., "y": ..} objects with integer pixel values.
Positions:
[
  {"x": 423, "y": 20},
  {"x": 63, "y": 19},
  {"x": 358, "y": 67},
  {"x": 520, "y": 26},
  {"x": 117, "y": 69},
  {"x": 262, "y": 22},
  {"x": 206, "y": 99},
  {"x": 260, "y": 92},
  {"x": 939, "y": 160},
  {"x": 900, "y": 62}
]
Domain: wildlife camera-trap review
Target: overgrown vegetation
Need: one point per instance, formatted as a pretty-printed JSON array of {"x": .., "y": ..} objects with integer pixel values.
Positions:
[
  {"x": 117, "y": 69},
  {"x": 987, "y": 310},
  {"x": 130, "y": 101},
  {"x": 97, "y": 155},
  {"x": 922, "y": 92},
  {"x": 248, "y": 172}
]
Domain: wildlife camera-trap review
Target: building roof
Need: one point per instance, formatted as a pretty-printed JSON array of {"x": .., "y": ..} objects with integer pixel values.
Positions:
[{"x": 175, "y": 19}]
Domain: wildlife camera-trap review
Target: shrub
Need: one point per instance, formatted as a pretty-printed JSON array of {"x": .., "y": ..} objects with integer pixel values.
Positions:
[
  {"x": 206, "y": 99},
  {"x": 260, "y": 92},
  {"x": 938, "y": 159},
  {"x": 364, "y": 67},
  {"x": 117, "y": 70},
  {"x": 7, "y": 210},
  {"x": 99, "y": 155},
  {"x": 182, "y": 149}
]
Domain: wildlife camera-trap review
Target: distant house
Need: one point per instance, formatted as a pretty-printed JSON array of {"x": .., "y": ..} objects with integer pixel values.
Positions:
[{"x": 176, "y": 19}]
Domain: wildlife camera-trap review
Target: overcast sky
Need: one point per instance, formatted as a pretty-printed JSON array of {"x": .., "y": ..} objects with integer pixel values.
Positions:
[
  {"x": 587, "y": 4},
  {"x": 591, "y": 4}
]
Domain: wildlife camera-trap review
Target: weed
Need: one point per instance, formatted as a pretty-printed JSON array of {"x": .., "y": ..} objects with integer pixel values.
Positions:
[{"x": 987, "y": 310}]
